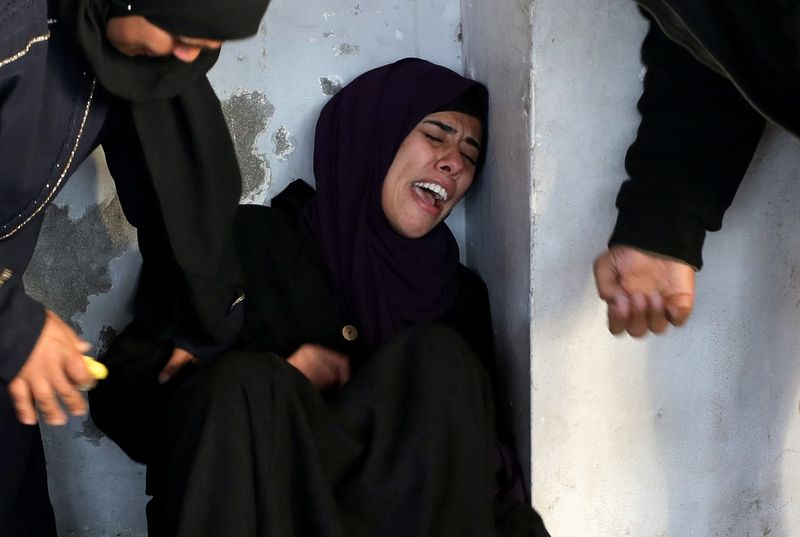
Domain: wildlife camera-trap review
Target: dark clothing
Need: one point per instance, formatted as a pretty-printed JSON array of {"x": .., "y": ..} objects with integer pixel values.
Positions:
[
  {"x": 52, "y": 113},
  {"x": 185, "y": 150},
  {"x": 386, "y": 280},
  {"x": 278, "y": 251},
  {"x": 25, "y": 509},
  {"x": 318, "y": 450},
  {"x": 51, "y": 116},
  {"x": 403, "y": 449},
  {"x": 715, "y": 71}
]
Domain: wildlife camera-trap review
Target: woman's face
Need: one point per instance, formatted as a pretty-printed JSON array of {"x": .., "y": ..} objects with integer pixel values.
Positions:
[
  {"x": 431, "y": 171},
  {"x": 136, "y": 36}
]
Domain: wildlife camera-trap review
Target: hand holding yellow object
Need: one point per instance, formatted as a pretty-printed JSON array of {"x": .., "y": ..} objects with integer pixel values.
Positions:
[{"x": 96, "y": 369}]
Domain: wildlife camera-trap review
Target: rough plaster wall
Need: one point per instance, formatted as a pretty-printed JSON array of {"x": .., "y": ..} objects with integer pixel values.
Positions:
[
  {"x": 693, "y": 434},
  {"x": 272, "y": 87},
  {"x": 497, "y": 45}
]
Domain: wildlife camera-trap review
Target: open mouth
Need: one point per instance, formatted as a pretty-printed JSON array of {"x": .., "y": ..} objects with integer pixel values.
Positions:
[{"x": 435, "y": 194}]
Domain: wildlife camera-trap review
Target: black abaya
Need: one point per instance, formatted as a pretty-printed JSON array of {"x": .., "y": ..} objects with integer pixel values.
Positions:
[{"x": 402, "y": 449}]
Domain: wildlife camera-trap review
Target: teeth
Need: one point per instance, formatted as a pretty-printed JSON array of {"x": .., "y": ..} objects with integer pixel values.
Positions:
[{"x": 437, "y": 190}]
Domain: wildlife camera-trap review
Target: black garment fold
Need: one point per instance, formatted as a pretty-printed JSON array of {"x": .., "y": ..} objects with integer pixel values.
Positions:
[
  {"x": 187, "y": 149},
  {"x": 405, "y": 448}
]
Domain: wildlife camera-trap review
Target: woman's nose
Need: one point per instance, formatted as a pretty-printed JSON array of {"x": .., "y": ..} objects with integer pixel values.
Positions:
[{"x": 451, "y": 162}]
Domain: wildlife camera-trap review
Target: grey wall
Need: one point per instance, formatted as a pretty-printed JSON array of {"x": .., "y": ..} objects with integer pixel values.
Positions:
[
  {"x": 692, "y": 434},
  {"x": 497, "y": 51},
  {"x": 272, "y": 87}
]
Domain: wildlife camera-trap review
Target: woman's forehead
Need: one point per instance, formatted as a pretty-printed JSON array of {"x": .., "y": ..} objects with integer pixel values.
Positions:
[{"x": 454, "y": 122}]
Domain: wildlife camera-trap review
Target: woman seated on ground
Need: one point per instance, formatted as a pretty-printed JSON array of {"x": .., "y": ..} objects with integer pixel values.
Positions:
[{"x": 358, "y": 400}]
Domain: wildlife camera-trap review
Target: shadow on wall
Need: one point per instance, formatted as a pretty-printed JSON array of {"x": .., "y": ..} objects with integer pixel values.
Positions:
[{"x": 723, "y": 443}]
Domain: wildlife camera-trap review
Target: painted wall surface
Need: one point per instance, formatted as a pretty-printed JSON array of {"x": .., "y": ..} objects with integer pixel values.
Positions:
[
  {"x": 272, "y": 87},
  {"x": 692, "y": 434},
  {"x": 497, "y": 51}
]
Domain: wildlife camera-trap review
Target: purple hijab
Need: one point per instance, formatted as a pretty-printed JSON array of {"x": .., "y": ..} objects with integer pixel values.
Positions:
[{"x": 387, "y": 281}]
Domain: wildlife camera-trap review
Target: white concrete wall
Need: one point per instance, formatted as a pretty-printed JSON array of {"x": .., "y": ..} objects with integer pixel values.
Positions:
[
  {"x": 497, "y": 51},
  {"x": 693, "y": 434},
  {"x": 272, "y": 88}
]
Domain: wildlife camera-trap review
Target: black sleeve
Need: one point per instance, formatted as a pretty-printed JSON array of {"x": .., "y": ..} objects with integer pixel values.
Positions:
[
  {"x": 471, "y": 317},
  {"x": 164, "y": 296},
  {"x": 22, "y": 319},
  {"x": 695, "y": 141}
]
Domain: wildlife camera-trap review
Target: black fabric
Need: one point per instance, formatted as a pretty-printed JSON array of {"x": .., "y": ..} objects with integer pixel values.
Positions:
[
  {"x": 694, "y": 144},
  {"x": 290, "y": 302},
  {"x": 754, "y": 42},
  {"x": 22, "y": 316},
  {"x": 250, "y": 447},
  {"x": 209, "y": 19},
  {"x": 470, "y": 102},
  {"x": 25, "y": 509},
  {"x": 277, "y": 251},
  {"x": 45, "y": 105},
  {"x": 184, "y": 140},
  {"x": 386, "y": 280}
]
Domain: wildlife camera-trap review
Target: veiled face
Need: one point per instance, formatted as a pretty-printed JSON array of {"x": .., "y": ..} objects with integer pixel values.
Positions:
[
  {"x": 431, "y": 171},
  {"x": 134, "y": 35}
]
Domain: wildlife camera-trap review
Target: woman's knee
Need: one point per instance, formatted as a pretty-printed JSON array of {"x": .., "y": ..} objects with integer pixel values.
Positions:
[
  {"x": 227, "y": 379},
  {"x": 436, "y": 351}
]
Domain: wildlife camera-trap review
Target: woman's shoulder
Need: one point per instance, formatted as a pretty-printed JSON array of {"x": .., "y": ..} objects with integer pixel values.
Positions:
[
  {"x": 286, "y": 209},
  {"x": 471, "y": 285},
  {"x": 470, "y": 315}
]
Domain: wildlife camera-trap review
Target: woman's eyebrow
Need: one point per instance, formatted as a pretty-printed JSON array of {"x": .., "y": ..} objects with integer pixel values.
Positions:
[{"x": 449, "y": 129}]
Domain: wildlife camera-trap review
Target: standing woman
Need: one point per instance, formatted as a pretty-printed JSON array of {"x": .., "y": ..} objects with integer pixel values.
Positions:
[
  {"x": 358, "y": 402},
  {"x": 75, "y": 74}
]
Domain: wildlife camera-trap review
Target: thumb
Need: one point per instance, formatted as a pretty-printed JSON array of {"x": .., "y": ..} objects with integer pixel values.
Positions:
[
  {"x": 606, "y": 278},
  {"x": 178, "y": 359},
  {"x": 679, "y": 307}
]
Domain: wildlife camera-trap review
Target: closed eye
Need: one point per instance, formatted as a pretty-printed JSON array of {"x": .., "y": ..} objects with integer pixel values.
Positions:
[
  {"x": 469, "y": 158},
  {"x": 432, "y": 137}
]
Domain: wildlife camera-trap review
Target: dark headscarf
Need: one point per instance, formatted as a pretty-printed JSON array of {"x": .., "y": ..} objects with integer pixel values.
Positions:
[
  {"x": 179, "y": 123},
  {"x": 388, "y": 281},
  {"x": 209, "y": 19}
]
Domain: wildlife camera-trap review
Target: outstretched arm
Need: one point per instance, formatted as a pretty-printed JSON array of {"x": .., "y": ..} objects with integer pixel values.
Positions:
[{"x": 694, "y": 144}]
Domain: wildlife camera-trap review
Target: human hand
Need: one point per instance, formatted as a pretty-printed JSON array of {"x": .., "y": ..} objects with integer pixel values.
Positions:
[
  {"x": 643, "y": 291},
  {"x": 178, "y": 359},
  {"x": 325, "y": 368},
  {"x": 52, "y": 375}
]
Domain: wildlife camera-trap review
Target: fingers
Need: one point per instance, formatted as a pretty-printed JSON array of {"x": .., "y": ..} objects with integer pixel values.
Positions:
[
  {"x": 618, "y": 312},
  {"x": 637, "y": 320},
  {"x": 21, "y": 397},
  {"x": 47, "y": 403},
  {"x": 50, "y": 376},
  {"x": 679, "y": 308},
  {"x": 69, "y": 395},
  {"x": 606, "y": 278},
  {"x": 642, "y": 314},
  {"x": 179, "y": 358},
  {"x": 656, "y": 314},
  {"x": 644, "y": 292},
  {"x": 325, "y": 368},
  {"x": 342, "y": 365}
]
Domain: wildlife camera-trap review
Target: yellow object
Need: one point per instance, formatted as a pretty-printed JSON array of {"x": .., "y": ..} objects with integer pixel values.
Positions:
[{"x": 96, "y": 369}]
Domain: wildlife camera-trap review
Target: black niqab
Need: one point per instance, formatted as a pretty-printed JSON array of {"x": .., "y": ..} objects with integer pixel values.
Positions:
[
  {"x": 182, "y": 131},
  {"x": 208, "y": 19},
  {"x": 387, "y": 280}
]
